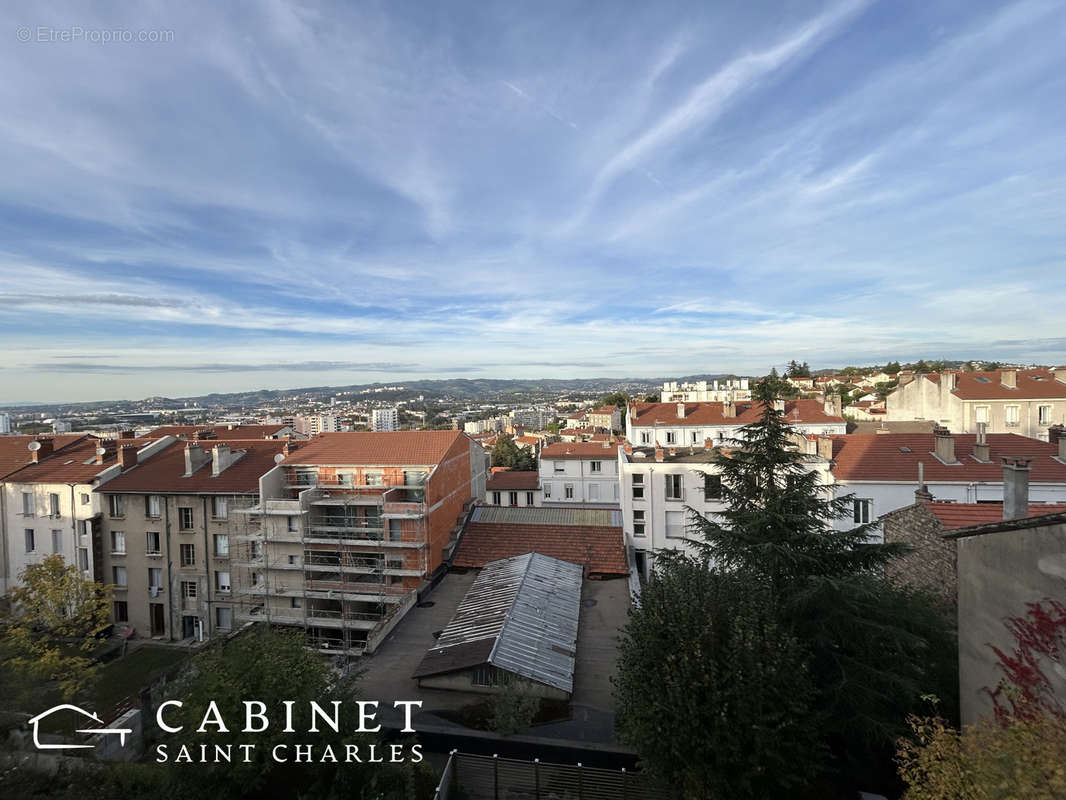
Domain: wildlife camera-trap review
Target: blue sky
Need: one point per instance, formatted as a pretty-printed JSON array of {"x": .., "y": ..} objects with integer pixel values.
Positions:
[{"x": 303, "y": 194}]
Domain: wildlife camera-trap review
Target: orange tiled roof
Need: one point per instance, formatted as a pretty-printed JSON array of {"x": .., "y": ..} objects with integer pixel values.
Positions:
[
  {"x": 710, "y": 413},
  {"x": 164, "y": 472},
  {"x": 15, "y": 454},
  {"x": 68, "y": 465},
  {"x": 220, "y": 431},
  {"x": 376, "y": 448},
  {"x": 1033, "y": 384},
  {"x": 895, "y": 457},
  {"x": 962, "y": 515},
  {"x": 599, "y": 548},
  {"x": 591, "y": 450},
  {"x": 506, "y": 479}
]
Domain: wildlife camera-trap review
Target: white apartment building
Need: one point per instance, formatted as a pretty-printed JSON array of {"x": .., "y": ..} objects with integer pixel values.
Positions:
[
  {"x": 719, "y": 391},
  {"x": 490, "y": 425},
  {"x": 385, "y": 419},
  {"x": 697, "y": 424},
  {"x": 659, "y": 486},
  {"x": 579, "y": 472},
  {"x": 534, "y": 419},
  {"x": 314, "y": 424},
  {"x": 1023, "y": 401},
  {"x": 506, "y": 487},
  {"x": 5, "y": 423}
]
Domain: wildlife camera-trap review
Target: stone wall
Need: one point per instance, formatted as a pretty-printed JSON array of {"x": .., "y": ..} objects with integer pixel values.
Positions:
[{"x": 931, "y": 564}]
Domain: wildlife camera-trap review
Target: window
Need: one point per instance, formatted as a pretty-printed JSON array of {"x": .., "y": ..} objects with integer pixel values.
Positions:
[
  {"x": 27, "y": 504},
  {"x": 695, "y": 437},
  {"x": 151, "y": 506},
  {"x": 568, "y": 491},
  {"x": 558, "y": 466},
  {"x": 188, "y": 555},
  {"x": 595, "y": 466},
  {"x": 645, "y": 437},
  {"x": 529, "y": 498},
  {"x": 221, "y": 545},
  {"x": 547, "y": 491},
  {"x": 485, "y": 675},
  {"x": 121, "y": 611},
  {"x": 31, "y": 542},
  {"x": 980, "y": 414},
  {"x": 188, "y": 590},
  {"x": 861, "y": 511},
  {"x": 84, "y": 499},
  {"x": 594, "y": 491},
  {"x": 222, "y": 581},
  {"x": 712, "y": 487},
  {"x": 1010, "y": 416},
  {"x": 53, "y": 505},
  {"x": 675, "y": 524},
  {"x": 294, "y": 524},
  {"x": 638, "y": 487},
  {"x": 118, "y": 542},
  {"x": 671, "y": 437},
  {"x": 638, "y": 523},
  {"x": 395, "y": 530},
  {"x": 374, "y": 479},
  {"x": 296, "y": 602},
  {"x": 83, "y": 559},
  {"x": 151, "y": 546},
  {"x": 57, "y": 541},
  {"x": 223, "y": 618},
  {"x": 219, "y": 508},
  {"x": 155, "y": 580},
  {"x": 1043, "y": 415},
  {"x": 294, "y": 561},
  {"x": 118, "y": 576},
  {"x": 512, "y": 498},
  {"x": 256, "y": 578},
  {"x": 185, "y": 521},
  {"x": 116, "y": 505},
  {"x": 673, "y": 487},
  {"x": 495, "y": 498}
]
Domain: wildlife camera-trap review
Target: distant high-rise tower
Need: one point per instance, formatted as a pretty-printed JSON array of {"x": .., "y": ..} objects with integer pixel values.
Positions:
[
  {"x": 5, "y": 423},
  {"x": 385, "y": 419}
]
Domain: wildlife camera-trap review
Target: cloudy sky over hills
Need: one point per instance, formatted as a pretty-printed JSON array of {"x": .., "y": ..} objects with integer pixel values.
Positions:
[{"x": 298, "y": 194}]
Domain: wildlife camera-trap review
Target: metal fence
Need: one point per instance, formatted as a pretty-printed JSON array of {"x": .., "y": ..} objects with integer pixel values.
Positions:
[{"x": 494, "y": 778}]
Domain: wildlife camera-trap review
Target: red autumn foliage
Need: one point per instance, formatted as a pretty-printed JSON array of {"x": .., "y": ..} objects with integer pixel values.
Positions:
[{"x": 1025, "y": 691}]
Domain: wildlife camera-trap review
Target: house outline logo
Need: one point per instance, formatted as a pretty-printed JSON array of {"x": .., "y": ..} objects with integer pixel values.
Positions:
[{"x": 35, "y": 723}]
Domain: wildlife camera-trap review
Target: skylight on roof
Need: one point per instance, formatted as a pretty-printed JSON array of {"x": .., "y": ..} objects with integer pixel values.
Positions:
[
  {"x": 981, "y": 379},
  {"x": 904, "y": 449}
]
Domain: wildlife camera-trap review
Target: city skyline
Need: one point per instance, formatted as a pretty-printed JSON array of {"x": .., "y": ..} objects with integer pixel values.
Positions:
[{"x": 323, "y": 195}]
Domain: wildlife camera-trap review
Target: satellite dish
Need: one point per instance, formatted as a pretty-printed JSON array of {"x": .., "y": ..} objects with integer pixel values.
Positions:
[
  {"x": 34, "y": 446},
  {"x": 279, "y": 458},
  {"x": 100, "y": 451}
]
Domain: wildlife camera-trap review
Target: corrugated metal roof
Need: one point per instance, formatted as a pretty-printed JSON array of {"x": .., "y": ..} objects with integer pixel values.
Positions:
[
  {"x": 545, "y": 515},
  {"x": 527, "y": 607}
]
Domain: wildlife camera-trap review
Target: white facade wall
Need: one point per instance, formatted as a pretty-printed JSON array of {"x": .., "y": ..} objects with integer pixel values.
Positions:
[
  {"x": 384, "y": 419},
  {"x": 522, "y": 497},
  {"x": 696, "y": 435},
  {"x": 589, "y": 480},
  {"x": 706, "y": 391},
  {"x": 5, "y": 423}
]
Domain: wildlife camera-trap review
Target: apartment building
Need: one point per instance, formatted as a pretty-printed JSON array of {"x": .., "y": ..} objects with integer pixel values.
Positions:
[
  {"x": 5, "y": 423},
  {"x": 1022, "y": 401},
  {"x": 579, "y": 472},
  {"x": 735, "y": 389},
  {"x": 164, "y": 537},
  {"x": 349, "y": 526},
  {"x": 50, "y": 505},
  {"x": 385, "y": 419},
  {"x": 609, "y": 418},
  {"x": 533, "y": 419},
  {"x": 314, "y": 424},
  {"x": 506, "y": 487},
  {"x": 883, "y": 470},
  {"x": 691, "y": 424},
  {"x": 660, "y": 485}
]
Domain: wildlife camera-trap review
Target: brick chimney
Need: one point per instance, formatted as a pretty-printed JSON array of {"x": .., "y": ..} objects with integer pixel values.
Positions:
[
  {"x": 1056, "y": 434},
  {"x": 708, "y": 443},
  {"x": 45, "y": 447},
  {"x": 105, "y": 449},
  {"x": 659, "y": 453},
  {"x": 1059, "y": 373},
  {"x": 127, "y": 456},
  {"x": 680, "y": 410},
  {"x": 1009, "y": 378},
  {"x": 1015, "y": 487},
  {"x": 944, "y": 445},
  {"x": 980, "y": 447},
  {"x": 126, "y": 434},
  {"x": 195, "y": 458},
  {"x": 825, "y": 447},
  {"x": 729, "y": 409}
]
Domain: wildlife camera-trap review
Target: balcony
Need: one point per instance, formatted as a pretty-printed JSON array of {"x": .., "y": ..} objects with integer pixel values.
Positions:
[{"x": 344, "y": 619}]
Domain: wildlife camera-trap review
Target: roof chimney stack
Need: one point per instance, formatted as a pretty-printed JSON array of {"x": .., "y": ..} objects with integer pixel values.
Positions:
[
  {"x": 729, "y": 409},
  {"x": 1009, "y": 378},
  {"x": 680, "y": 410},
  {"x": 1056, "y": 434},
  {"x": 980, "y": 447},
  {"x": 922, "y": 493},
  {"x": 944, "y": 446},
  {"x": 779, "y": 406},
  {"x": 659, "y": 453},
  {"x": 45, "y": 447},
  {"x": 825, "y": 447},
  {"x": 195, "y": 458},
  {"x": 127, "y": 456},
  {"x": 1015, "y": 487}
]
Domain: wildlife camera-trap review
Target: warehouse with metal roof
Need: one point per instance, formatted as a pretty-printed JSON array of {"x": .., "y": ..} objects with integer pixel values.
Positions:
[{"x": 518, "y": 621}]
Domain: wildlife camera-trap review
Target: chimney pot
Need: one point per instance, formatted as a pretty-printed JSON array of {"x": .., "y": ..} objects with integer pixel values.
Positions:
[
  {"x": 680, "y": 410},
  {"x": 1015, "y": 487},
  {"x": 944, "y": 446}
]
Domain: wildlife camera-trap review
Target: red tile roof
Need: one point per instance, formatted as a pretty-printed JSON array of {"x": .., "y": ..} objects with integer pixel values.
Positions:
[
  {"x": 68, "y": 465},
  {"x": 601, "y": 549},
  {"x": 895, "y": 457},
  {"x": 506, "y": 479},
  {"x": 578, "y": 450},
  {"x": 1033, "y": 384},
  {"x": 376, "y": 448},
  {"x": 962, "y": 515},
  {"x": 164, "y": 472},
  {"x": 15, "y": 454},
  {"x": 710, "y": 413},
  {"x": 220, "y": 431}
]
